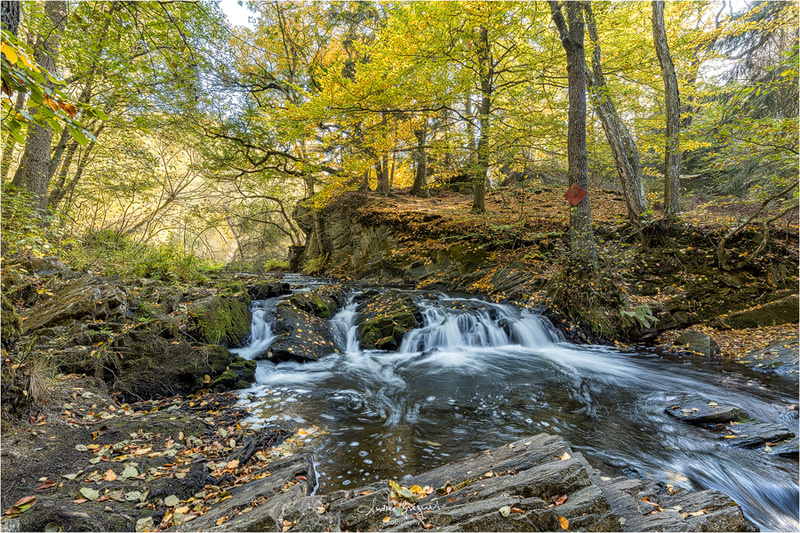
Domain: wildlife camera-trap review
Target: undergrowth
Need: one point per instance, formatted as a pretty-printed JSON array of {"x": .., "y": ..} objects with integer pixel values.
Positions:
[{"x": 25, "y": 233}]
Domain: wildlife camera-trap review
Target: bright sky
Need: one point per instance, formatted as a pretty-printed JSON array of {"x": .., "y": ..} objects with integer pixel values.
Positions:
[{"x": 236, "y": 13}]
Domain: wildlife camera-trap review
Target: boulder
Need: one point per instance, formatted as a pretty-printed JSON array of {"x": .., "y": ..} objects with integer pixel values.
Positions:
[
  {"x": 385, "y": 318},
  {"x": 222, "y": 320},
  {"x": 45, "y": 266},
  {"x": 697, "y": 342},
  {"x": 239, "y": 375},
  {"x": 261, "y": 290},
  {"x": 783, "y": 311},
  {"x": 96, "y": 299},
  {"x": 694, "y": 409},
  {"x": 160, "y": 368},
  {"x": 300, "y": 336},
  {"x": 322, "y": 302}
]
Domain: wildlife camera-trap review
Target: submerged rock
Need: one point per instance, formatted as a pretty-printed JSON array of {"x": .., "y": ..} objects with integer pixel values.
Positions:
[
  {"x": 755, "y": 434},
  {"x": 695, "y": 409}
]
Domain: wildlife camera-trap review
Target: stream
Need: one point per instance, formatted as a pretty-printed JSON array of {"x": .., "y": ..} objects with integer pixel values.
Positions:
[{"x": 478, "y": 375}]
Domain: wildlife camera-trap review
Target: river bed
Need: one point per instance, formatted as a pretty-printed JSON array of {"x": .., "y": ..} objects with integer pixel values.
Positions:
[{"x": 478, "y": 375}]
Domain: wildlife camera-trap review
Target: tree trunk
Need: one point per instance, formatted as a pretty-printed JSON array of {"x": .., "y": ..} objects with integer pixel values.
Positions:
[
  {"x": 383, "y": 175},
  {"x": 482, "y": 166},
  {"x": 623, "y": 147},
  {"x": 10, "y": 12},
  {"x": 420, "y": 187},
  {"x": 672, "y": 154},
  {"x": 11, "y": 142},
  {"x": 582, "y": 246},
  {"x": 32, "y": 174}
]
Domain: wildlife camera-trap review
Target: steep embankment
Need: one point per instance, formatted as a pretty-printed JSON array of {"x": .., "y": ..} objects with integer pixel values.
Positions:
[{"x": 665, "y": 278}]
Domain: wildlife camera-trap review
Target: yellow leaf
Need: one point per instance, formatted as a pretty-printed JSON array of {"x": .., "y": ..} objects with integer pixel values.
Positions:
[
  {"x": 564, "y": 458},
  {"x": 10, "y": 53},
  {"x": 26, "y": 61},
  {"x": 563, "y": 521},
  {"x": 233, "y": 464},
  {"x": 110, "y": 475},
  {"x": 385, "y": 519}
]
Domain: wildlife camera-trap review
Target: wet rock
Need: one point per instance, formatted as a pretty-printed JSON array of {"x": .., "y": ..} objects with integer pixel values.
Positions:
[
  {"x": 789, "y": 448},
  {"x": 698, "y": 342},
  {"x": 239, "y": 375},
  {"x": 535, "y": 484},
  {"x": 261, "y": 290},
  {"x": 96, "y": 298},
  {"x": 219, "y": 320},
  {"x": 322, "y": 302},
  {"x": 385, "y": 318},
  {"x": 756, "y": 434},
  {"x": 301, "y": 336},
  {"x": 695, "y": 409},
  {"x": 781, "y": 357},
  {"x": 783, "y": 311}
]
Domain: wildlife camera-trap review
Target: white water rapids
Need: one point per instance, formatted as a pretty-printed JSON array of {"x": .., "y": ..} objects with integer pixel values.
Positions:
[{"x": 477, "y": 375}]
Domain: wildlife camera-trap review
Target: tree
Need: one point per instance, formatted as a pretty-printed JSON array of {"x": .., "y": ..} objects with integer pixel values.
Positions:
[
  {"x": 622, "y": 143},
  {"x": 582, "y": 245},
  {"x": 34, "y": 168},
  {"x": 672, "y": 153}
]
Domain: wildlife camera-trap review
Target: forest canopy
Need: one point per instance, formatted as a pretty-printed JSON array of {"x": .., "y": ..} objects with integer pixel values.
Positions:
[{"x": 162, "y": 123}]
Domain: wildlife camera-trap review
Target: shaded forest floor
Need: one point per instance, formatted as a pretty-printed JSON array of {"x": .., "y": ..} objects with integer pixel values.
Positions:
[{"x": 669, "y": 269}]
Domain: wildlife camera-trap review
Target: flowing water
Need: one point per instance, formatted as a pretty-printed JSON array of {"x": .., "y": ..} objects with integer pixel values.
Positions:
[{"x": 477, "y": 375}]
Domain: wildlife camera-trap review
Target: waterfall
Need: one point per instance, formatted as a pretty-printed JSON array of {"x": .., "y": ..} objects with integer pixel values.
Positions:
[
  {"x": 261, "y": 335},
  {"x": 448, "y": 330}
]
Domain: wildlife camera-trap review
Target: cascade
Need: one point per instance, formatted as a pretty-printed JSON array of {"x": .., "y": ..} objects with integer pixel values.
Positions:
[{"x": 476, "y": 375}]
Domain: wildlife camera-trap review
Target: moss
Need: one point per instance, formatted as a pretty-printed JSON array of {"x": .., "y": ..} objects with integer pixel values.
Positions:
[
  {"x": 11, "y": 327},
  {"x": 220, "y": 320}
]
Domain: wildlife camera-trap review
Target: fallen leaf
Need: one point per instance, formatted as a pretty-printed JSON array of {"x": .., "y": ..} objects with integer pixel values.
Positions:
[
  {"x": 89, "y": 494},
  {"x": 564, "y": 458},
  {"x": 505, "y": 510},
  {"x": 109, "y": 475},
  {"x": 221, "y": 520},
  {"x": 560, "y": 499},
  {"x": 171, "y": 501},
  {"x": 386, "y": 519},
  {"x": 46, "y": 485},
  {"x": 563, "y": 521}
]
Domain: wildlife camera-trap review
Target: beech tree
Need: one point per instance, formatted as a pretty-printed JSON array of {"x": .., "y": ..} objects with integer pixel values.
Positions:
[
  {"x": 672, "y": 152},
  {"x": 623, "y": 145},
  {"x": 33, "y": 174},
  {"x": 571, "y": 32}
]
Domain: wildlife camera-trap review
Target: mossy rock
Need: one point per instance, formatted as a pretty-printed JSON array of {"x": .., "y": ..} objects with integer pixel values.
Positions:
[
  {"x": 322, "y": 302},
  {"x": 239, "y": 375},
  {"x": 159, "y": 369},
  {"x": 783, "y": 311},
  {"x": 385, "y": 319},
  {"x": 220, "y": 320},
  {"x": 11, "y": 323},
  {"x": 95, "y": 299},
  {"x": 261, "y": 290},
  {"x": 301, "y": 336}
]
